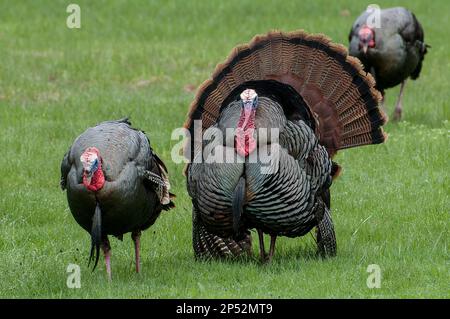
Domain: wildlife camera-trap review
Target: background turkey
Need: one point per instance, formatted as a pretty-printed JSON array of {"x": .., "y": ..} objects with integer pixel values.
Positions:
[
  {"x": 321, "y": 101},
  {"x": 115, "y": 184},
  {"x": 392, "y": 53}
]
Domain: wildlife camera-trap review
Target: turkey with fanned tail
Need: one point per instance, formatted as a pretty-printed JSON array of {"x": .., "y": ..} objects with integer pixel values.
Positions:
[{"x": 272, "y": 116}]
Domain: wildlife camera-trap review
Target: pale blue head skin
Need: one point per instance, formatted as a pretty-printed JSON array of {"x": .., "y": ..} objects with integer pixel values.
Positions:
[
  {"x": 90, "y": 161},
  {"x": 249, "y": 99}
]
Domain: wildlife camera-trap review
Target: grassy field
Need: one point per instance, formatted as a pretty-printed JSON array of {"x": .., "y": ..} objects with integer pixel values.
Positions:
[{"x": 144, "y": 59}]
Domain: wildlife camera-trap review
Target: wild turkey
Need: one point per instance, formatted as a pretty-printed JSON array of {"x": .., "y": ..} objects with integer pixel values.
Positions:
[
  {"x": 320, "y": 100},
  {"x": 391, "y": 53},
  {"x": 115, "y": 184}
]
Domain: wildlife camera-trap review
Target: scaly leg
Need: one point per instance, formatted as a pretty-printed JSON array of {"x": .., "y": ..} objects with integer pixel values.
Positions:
[
  {"x": 273, "y": 239},
  {"x": 262, "y": 250},
  {"x": 106, "y": 248},
  {"x": 372, "y": 71},
  {"x": 136, "y": 235},
  {"x": 398, "y": 106}
]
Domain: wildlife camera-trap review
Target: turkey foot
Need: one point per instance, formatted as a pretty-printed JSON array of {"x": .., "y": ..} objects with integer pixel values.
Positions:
[
  {"x": 398, "y": 106},
  {"x": 106, "y": 248},
  {"x": 136, "y": 236}
]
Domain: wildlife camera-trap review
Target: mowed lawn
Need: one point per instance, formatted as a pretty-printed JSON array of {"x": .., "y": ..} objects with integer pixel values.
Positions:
[{"x": 144, "y": 59}]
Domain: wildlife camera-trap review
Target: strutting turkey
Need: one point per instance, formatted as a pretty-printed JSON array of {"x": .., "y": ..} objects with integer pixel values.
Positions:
[
  {"x": 321, "y": 101},
  {"x": 392, "y": 52},
  {"x": 115, "y": 184}
]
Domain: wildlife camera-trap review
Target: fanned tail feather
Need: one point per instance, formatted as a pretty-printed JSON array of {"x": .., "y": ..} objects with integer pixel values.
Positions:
[{"x": 337, "y": 92}]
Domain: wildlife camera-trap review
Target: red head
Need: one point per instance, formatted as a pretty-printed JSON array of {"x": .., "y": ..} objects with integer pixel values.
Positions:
[
  {"x": 93, "y": 177},
  {"x": 244, "y": 141},
  {"x": 366, "y": 38}
]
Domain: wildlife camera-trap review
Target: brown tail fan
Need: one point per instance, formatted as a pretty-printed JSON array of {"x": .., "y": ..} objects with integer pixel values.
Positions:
[{"x": 340, "y": 97}]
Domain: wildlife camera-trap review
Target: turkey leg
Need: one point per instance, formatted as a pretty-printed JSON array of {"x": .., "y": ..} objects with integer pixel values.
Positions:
[
  {"x": 106, "y": 248},
  {"x": 136, "y": 236},
  {"x": 372, "y": 71},
  {"x": 273, "y": 239},
  {"x": 262, "y": 250},
  {"x": 398, "y": 106}
]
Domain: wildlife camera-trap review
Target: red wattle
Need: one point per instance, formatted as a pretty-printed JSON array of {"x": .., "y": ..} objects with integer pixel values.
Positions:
[
  {"x": 245, "y": 144},
  {"x": 244, "y": 141},
  {"x": 97, "y": 180}
]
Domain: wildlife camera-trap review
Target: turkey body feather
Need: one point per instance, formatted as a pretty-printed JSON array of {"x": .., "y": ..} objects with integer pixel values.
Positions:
[
  {"x": 279, "y": 200},
  {"x": 399, "y": 50},
  {"x": 129, "y": 201}
]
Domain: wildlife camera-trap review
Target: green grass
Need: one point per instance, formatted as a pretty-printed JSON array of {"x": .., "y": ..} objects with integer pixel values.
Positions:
[{"x": 390, "y": 206}]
